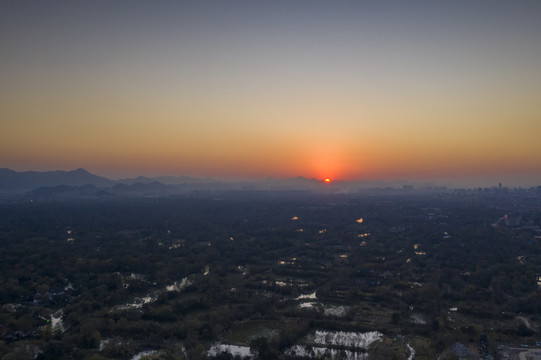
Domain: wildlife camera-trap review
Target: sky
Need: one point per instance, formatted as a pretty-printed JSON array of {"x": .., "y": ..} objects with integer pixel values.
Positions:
[{"x": 353, "y": 90}]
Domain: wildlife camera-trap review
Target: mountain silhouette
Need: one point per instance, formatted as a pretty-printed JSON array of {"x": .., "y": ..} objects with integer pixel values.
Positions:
[{"x": 13, "y": 181}]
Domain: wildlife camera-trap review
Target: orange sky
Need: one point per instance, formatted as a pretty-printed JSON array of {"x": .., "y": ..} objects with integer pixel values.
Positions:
[{"x": 325, "y": 91}]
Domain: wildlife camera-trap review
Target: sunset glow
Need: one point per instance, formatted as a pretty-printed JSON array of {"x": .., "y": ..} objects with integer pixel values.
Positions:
[{"x": 427, "y": 92}]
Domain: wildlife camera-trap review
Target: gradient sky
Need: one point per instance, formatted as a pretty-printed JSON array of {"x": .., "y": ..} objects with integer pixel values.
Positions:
[{"x": 251, "y": 89}]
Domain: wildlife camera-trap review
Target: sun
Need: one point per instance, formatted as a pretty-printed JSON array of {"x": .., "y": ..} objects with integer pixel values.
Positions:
[{"x": 327, "y": 180}]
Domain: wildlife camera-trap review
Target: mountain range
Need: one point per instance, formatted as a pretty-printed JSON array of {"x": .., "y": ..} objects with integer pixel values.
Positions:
[
  {"x": 81, "y": 183},
  {"x": 13, "y": 181}
]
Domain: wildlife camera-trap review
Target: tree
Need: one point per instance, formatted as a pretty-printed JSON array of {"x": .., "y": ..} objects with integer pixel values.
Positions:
[{"x": 261, "y": 348}]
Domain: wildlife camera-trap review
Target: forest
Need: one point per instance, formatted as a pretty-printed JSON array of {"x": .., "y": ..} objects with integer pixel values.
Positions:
[{"x": 271, "y": 276}]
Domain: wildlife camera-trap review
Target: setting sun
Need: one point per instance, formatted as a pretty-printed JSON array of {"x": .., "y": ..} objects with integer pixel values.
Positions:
[{"x": 352, "y": 94}]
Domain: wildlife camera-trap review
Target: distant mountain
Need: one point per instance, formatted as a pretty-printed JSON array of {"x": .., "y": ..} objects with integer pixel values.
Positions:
[
  {"x": 166, "y": 180},
  {"x": 81, "y": 183},
  {"x": 13, "y": 181}
]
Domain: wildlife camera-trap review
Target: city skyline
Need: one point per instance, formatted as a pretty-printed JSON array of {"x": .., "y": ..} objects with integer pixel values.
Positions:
[{"x": 446, "y": 92}]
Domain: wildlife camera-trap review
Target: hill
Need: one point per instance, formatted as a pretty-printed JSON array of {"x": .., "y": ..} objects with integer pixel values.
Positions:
[{"x": 13, "y": 181}]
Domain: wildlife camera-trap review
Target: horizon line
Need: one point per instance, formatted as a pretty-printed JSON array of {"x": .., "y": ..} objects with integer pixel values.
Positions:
[{"x": 457, "y": 182}]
